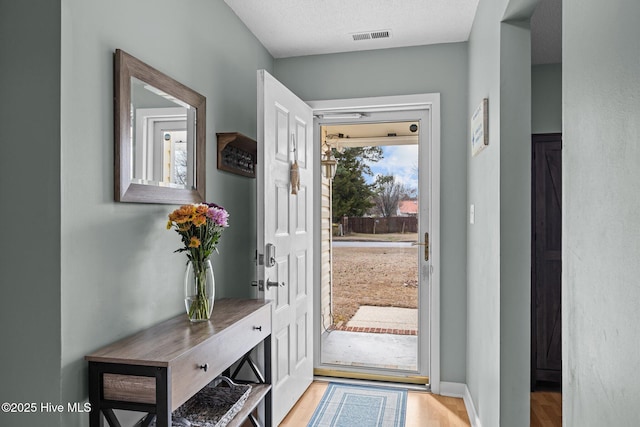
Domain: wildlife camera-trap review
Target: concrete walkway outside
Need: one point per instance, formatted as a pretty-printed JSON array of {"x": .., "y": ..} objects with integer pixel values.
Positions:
[
  {"x": 378, "y": 337},
  {"x": 370, "y": 350},
  {"x": 369, "y": 316}
]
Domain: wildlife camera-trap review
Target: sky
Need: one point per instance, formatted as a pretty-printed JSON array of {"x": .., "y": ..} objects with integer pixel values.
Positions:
[{"x": 400, "y": 161}]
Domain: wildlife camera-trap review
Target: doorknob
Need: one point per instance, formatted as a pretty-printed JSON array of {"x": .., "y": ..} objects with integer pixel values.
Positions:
[
  {"x": 425, "y": 244},
  {"x": 271, "y": 284}
]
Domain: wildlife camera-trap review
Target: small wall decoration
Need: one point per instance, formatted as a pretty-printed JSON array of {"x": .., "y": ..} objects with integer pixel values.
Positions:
[
  {"x": 294, "y": 173},
  {"x": 237, "y": 154},
  {"x": 480, "y": 127}
]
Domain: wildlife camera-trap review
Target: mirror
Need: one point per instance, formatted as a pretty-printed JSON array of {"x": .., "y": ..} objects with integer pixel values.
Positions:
[{"x": 159, "y": 136}]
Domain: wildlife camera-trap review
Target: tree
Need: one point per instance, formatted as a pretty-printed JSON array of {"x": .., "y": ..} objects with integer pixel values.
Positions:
[
  {"x": 351, "y": 193},
  {"x": 389, "y": 193},
  {"x": 180, "y": 164}
]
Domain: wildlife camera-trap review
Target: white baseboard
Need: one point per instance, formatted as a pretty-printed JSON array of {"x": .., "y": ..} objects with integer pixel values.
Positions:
[
  {"x": 471, "y": 408},
  {"x": 452, "y": 389},
  {"x": 461, "y": 391}
]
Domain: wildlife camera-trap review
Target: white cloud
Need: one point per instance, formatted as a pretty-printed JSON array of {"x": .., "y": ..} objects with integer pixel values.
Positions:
[{"x": 400, "y": 161}]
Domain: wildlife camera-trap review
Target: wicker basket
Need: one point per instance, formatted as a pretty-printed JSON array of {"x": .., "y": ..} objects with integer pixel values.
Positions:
[{"x": 213, "y": 406}]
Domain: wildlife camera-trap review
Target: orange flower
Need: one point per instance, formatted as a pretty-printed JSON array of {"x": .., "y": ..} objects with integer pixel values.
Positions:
[
  {"x": 182, "y": 214},
  {"x": 194, "y": 242},
  {"x": 199, "y": 220},
  {"x": 201, "y": 209},
  {"x": 199, "y": 226}
]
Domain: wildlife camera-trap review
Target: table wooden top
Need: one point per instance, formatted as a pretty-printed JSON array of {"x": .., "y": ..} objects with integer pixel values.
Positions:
[{"x": 165, "y": 342}]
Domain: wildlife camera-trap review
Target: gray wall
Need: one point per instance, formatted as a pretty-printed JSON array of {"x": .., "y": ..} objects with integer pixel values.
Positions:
[
  {"x": 439, "y": 68},
  {"x": 119, "y": 272},
  {"x": 78, "y": 270},
  {"x": 515, "y": 223},
  {"x": 483, "y": 242},
  {"x": 546, "y": 98},
  {"x": 601, "y": 225},
  {"x": 498, "y": 247},
  {"x": 30, "y": 203}
]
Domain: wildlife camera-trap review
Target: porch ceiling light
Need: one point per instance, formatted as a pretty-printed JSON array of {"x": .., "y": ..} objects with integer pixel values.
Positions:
[{"x": 328, "y": 162}]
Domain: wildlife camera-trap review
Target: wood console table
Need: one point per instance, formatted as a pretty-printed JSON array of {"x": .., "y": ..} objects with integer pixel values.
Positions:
[{"x": 160, "y": 368}]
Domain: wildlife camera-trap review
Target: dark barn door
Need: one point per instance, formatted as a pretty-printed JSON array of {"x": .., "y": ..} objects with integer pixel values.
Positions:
[{"x": 546, "y": 204}]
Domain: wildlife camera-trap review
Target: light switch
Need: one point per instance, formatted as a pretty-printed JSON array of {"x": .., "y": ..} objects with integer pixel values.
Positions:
[{"x": 472, "y": 214}]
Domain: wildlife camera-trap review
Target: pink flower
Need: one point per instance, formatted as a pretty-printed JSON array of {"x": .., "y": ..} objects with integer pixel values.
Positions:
[
  {"x": 200, "y": 228},
  {"x": 218, "y": 215}
]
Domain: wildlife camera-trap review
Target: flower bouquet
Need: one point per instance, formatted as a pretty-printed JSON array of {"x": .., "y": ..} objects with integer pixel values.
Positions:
[{"x": 200, "y": 227}]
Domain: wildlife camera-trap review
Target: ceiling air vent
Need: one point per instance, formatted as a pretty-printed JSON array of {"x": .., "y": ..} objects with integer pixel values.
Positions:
[
  {"x": 370, "y": 35},
  {"x": 361, "y": 36},
  {"x": 380, "y": 35}
]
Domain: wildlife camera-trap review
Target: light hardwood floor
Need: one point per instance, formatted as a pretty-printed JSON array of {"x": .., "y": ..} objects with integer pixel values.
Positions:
[
  {"x": 422, "y": 409},
  {"x": 425, "y": 409},
  {"x": 546, "y": 409}
]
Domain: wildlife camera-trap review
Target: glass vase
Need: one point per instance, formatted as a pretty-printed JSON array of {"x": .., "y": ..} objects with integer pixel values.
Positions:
[{"x": 199, "y": 290}]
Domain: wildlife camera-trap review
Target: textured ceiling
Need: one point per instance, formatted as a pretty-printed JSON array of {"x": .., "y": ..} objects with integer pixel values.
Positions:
[{"x": 309, "y": 27}]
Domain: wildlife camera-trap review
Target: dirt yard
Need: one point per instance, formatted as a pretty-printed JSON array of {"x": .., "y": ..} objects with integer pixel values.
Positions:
[{"x": 385, "y": 277}]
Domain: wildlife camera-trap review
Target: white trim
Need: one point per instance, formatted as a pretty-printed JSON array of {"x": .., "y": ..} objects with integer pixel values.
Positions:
[
  {"x": 434, "y": 357},
  {"x": 452, "y": 389},
  {"x": 146, "y": 150},
  {"x": 377, "y": 103},
  {"x": 401, "y": 386},
  {"x": 474, "y": 419},
  {"x": 431, "y": 102},
  {"x": 461, "y": 391}
]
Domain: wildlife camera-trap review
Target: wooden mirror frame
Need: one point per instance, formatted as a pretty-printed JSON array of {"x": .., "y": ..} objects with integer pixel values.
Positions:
[{"x": 126, "y": 67}]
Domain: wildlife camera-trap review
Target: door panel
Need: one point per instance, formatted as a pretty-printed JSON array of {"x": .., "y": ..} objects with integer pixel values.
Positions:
[
  {"x": 547, "y": 263},
  {"x": 281, "y": 292},
  {"x": 282, "y": 351},
  {"x": 301, "y": 273},
  {"x": 301, "y": 139},
  {"x": 284, "y": 135},
  {"x": 301, "y": 339},
  {"x": 281, "y": 215},
  {"x": 301, "y": 204}
]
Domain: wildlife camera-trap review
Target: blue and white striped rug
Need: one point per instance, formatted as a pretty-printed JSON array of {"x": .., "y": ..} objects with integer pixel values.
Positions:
[{"x": 345, "y": 405}]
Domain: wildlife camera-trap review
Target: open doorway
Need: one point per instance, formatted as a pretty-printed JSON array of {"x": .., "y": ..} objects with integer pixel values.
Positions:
[
  {"x": 371, "y": 250},
  {"x": 425, "y": 110},
  {"x": 373, "y": 298}
]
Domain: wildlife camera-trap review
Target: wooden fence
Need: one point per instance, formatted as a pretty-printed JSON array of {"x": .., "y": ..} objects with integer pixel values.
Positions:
[{"x": 394, "y": 224}]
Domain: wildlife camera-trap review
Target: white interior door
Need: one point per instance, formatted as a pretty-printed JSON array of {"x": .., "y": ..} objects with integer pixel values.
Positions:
[{"x": 285, "y": 135}]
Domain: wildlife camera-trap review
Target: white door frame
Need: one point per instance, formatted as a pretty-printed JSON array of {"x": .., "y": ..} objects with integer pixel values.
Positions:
[
  {"x": 145, "y": 166},
  {"x": 431, "y": 102}
]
